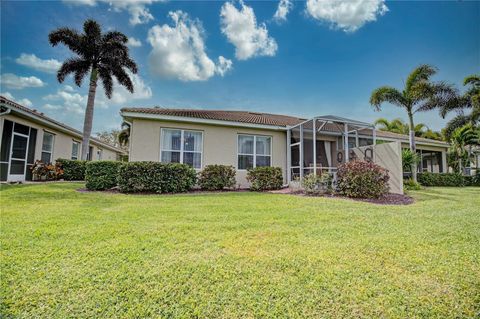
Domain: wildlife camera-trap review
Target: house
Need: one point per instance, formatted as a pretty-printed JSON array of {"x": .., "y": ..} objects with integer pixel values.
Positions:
[
  {"x": 250, "y": 139},
  {"x": 27, "y": 135}
]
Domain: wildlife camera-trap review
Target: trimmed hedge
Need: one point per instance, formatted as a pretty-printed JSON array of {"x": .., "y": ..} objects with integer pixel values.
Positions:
[
  {"x": 317, "y": 184},
  {"x": 473, "y": 180},
  {"x": 217, "y": 177},
  {"x": 73, "y": 170},
  {"x": 265, "y": 178},
  {"x": 441, "y": 179},
  {"x": 155, "y": 177},
  {"x": 361, "y": 179},
  {"x": 101, "y": 175}
]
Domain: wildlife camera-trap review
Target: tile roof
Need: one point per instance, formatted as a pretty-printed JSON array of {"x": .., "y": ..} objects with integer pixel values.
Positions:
[
  {"x": 34, "y": 112},
  {"x": 259, "y": 118},
  {"x": 221, "y": 115}
]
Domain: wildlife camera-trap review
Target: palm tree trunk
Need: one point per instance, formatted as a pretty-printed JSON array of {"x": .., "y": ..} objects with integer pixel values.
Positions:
[
  {"x": 87, "y": 124},
  {"x": 413, "y": 147}
]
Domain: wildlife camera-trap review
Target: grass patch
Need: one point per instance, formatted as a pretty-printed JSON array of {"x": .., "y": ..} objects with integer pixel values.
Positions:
[{"x": 236, "y": 255}]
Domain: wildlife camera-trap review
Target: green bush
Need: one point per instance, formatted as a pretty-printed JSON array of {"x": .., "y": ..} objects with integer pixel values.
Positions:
[
  {"x": 265, "y": 178},
  {"x": 410, "y": 185},
  {"x": 73, "y": 170},
  {"x": 101, "y": 175},
  {"x": 361, "y": 179},
  {"x": 317, "y": 184},
  {"x": 216, "y": 177},
  {"x": 155, "y": 177},
  {"x": 473, "y": 180},
  {"x": 441, "y": 179}
]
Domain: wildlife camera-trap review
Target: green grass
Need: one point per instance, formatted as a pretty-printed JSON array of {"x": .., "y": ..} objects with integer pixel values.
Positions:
[{"x": 237, "y": 255}]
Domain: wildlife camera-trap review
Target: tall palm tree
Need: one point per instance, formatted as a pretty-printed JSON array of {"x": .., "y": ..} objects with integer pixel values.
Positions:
[
  {"x": 103, "y": 55},
  {"x": 469, "y": 100},
  {"x": 419, "y": 94}
]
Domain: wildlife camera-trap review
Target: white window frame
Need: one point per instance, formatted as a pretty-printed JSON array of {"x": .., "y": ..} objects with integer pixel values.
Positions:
[
  {"x": 254, "y": 150},
  {"x": 182, "y": 145},
  {"x": 78, "y": 149},
  {"x": 53, "y": 145}
]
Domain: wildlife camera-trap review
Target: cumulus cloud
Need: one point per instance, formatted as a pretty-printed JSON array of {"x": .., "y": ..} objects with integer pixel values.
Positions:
[
  {"x": 16, "y": 82},
  {"x": 178, "y": 51},
  {"x": 32, "y": 61},
  {"x": 68, "y": 100},
  {"x": 284, "y": 6},
  {"x": 241, "y": 29},
  {"x": 349, "y": 15},
  {"x": 132, "y": 42},
  {"x": 24, "y": 102},
  {"x": 139, "y": 13}
]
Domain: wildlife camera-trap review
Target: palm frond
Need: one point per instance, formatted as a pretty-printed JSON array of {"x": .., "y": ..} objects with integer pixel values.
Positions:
[
  {"x": 387, "y": 94},
  {"x": 69, "y": 37},
  {"x": 73, "y": 65},
  {"x": 421, "y": 73},
  {"x": 107, "y": 81}
]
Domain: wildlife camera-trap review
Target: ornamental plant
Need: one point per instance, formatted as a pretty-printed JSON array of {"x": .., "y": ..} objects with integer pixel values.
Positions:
[
  {"x": 217, "y": 177},
  {"x": 265, "y": 178},
  {"x": 359, "y": 179},
  {"x": 317, "y": 184},
  {"x": 48, "y": 172}
]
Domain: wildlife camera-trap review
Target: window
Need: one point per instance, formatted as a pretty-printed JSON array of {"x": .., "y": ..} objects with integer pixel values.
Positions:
[
  {"x": 99, "y": 154},
  {"x": 254, "y": 151},
  {"x": 47, "y": 147},
  {"x": 181, "y": 146},
  {"x": 75, "y": 149}
]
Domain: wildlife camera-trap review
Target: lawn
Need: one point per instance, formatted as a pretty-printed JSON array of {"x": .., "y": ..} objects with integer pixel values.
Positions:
[{"x": 237, "y": 255}]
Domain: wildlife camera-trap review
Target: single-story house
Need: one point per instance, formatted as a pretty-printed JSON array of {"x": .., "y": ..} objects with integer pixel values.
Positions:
[
  {"x": 251, "y": 139},
  {"x": 27, "y": 135}
]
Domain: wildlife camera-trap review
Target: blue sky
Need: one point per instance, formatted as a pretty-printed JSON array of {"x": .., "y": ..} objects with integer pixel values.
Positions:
[{"x": 316, "y": 59}]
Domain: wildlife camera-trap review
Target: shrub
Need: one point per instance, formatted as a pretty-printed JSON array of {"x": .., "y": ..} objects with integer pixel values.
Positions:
[
  {"x": 473, "y": 180},
  {"x": 265, "y": 178},
  {"x": 216, "y": 177},
  {"x": 441, "y": 179},
  {"x": 101, "y": 175},
  {"x": 317, "y": 184},
  {"x": 410, "y": 185},
  {"x": 361, "y": 179},
  {"x": 155, "y": 177},
  {"x": 73, "y": 170},
  {"x": 48, "y": 172}
]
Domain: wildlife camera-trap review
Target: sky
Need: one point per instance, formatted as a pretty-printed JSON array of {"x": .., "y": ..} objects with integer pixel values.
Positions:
[{"x": 301, "y": 58}]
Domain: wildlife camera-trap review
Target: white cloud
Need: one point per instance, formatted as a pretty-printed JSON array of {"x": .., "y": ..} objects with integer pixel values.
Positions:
[
  {"x": 132, "y": 42},
  {"x": 139, "y": 13},
  {"x": 66, "y": 100},
  {"x": 223, "y": 66},
  {"x": 32, "y": 61},
  {"x": 178, "y": 51},
  {"x": 121, "y": 95},
  {"x": 284, "y": 6},
  {"x": 16, "y": 82},
  {"x": 24, "y": 102},
  {"x": 347, "y": 15},
  {"x": 241, "y": 29}
]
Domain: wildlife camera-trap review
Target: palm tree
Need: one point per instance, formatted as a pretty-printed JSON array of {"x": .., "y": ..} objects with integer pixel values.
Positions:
[
  {"x": 400, "y": 127},
  {"x": 103, "y": 55},
  {"x": 124, "y": 135},
  {"x": 469, "y": 100},
  {"x": 419, "y": 95},
  {"x": 461, "y": 141}
]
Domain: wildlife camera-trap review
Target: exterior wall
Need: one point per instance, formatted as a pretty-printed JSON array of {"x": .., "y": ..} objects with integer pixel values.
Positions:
[
  {"x": 62, "y": 145},
  {"x": 388, "y": 156},
  {"x": 219, "y": 144}
]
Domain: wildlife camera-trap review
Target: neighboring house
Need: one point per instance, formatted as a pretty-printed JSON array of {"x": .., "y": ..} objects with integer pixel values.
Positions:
[
  {"x": 27, "y": 135},
  {"x": 250, "y": 139}
]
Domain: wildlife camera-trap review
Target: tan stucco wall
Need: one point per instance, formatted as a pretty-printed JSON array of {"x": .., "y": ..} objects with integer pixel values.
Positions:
[
  {"x": 62, "y": 146},
  {"x": 388, "y": 156},
  {"x": 219, "y": 143}
]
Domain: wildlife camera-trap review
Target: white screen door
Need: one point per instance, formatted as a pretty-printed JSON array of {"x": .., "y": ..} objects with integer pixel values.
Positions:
[{"x": 18, "y": 157}]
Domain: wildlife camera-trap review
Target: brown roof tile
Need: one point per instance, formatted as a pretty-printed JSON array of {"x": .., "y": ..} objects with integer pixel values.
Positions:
[{"x": 230, "y": 116}]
